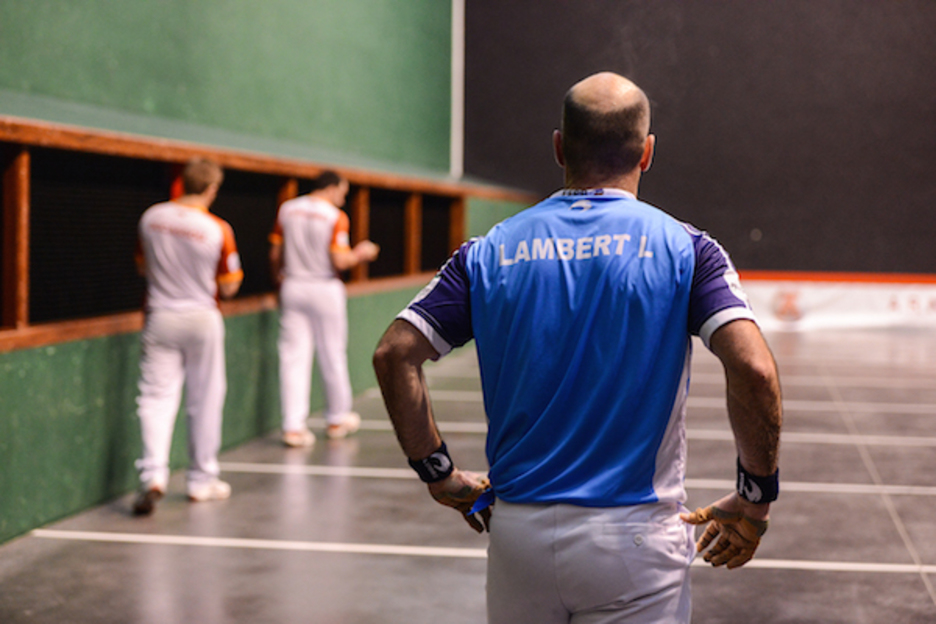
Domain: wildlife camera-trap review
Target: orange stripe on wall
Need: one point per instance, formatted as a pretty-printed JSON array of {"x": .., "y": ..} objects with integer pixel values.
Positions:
[{"x": 818, "y": 276}]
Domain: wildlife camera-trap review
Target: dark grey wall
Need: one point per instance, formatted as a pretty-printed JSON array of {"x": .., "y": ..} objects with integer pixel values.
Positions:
[{"x": 801, "y": 134}]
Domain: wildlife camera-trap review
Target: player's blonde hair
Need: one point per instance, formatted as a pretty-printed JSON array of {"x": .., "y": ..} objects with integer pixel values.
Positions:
[{"x": 199, "y": 174}]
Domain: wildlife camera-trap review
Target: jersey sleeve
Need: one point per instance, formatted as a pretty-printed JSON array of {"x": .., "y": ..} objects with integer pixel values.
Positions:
[
  {"x": 717, "y": 297},
  {"x": 442, "y": 310},
  {"x": 340, "y": 240},
  {"x": 229, "y": 265}
]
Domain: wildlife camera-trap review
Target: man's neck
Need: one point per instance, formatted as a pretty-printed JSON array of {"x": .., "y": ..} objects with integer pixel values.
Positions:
[
  {"x": 323, "y": 195},
  {"x": 628, "y": 182},
  {"x": 193, "y": 201}
]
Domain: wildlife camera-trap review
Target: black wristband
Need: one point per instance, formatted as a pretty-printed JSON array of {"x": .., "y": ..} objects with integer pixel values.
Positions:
[
  {"x": 756, "y": 489},
  {"x": 434, "y": 468}
]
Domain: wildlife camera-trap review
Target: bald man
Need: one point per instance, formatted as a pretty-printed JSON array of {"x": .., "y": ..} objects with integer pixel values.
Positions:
[{"x": 582, "y": 309}]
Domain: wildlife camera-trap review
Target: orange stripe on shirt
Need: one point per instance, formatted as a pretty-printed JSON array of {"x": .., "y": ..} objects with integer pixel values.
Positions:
[{"x": 339, "y": 239}]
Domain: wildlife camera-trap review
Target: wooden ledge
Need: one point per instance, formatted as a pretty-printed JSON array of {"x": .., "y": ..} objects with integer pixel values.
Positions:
[
  {"x": 46, "y": 334},
  {"x": 24, "y": 131}
]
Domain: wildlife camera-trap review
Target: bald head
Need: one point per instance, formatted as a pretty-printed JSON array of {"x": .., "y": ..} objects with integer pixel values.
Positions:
[{"x": 605, "y": 123}]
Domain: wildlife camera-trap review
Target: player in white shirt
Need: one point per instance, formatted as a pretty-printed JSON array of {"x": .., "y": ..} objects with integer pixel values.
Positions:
[
  {"x": 309, "y": 247},
  {"x": 190, "y": 259}
]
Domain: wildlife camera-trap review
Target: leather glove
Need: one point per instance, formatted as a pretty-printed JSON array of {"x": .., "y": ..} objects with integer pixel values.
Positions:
[
  {"x": 736, "y": 535},
  {"x": 460, "y": 490}
]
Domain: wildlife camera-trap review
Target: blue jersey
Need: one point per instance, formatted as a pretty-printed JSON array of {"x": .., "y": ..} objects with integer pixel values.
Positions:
[{"x": 582, "y": 308}]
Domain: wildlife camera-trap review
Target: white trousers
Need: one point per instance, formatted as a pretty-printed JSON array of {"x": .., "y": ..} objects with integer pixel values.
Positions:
[
  {"x": 552, "y": 564},
  {"x": 181, "y": 348},
  {"x": 313, "y": 316}
]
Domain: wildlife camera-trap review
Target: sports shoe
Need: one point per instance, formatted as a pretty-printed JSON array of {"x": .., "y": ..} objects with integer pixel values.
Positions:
[
  {"x": 216, "y": 489},
  {"x": 301, "y": 438},
  {"x": 349, "y": 424},
  {"x": 147, "y": 498}
]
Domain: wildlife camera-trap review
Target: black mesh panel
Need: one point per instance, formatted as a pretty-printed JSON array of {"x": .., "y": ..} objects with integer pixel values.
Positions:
[
  {"x": 387, "y": 215},
  {"x": 84, "y": 214},
  {"x": 435, "y": 232},
  {"x": 248, "y": 202}
]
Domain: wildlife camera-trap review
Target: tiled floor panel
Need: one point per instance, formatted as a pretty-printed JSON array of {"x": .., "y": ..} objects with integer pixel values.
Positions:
[{"x": 344, "y": 533}]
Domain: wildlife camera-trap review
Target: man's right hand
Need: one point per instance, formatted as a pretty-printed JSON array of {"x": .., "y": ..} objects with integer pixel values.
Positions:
[
  {"x": 736, "y": 524},
  {"x": 367, "y": 251},
  {"x": 460, "y": 490}
]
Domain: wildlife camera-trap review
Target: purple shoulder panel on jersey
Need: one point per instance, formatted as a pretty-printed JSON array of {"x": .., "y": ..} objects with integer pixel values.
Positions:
[
  {"x": 442, "y": 310},
  {"x": 717, "y": 296}
]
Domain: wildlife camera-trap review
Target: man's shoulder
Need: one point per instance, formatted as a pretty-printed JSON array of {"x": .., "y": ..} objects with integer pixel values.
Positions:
[
  {"x": 220, "y": 222},
  {"x": 157, "y": 208},
  {"x": 309, "y": 204}
]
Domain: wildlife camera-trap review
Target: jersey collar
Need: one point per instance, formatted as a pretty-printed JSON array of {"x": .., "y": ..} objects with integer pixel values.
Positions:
[
  {"x": 597, "y": 192},
  {"x": 193, "y": 206}
]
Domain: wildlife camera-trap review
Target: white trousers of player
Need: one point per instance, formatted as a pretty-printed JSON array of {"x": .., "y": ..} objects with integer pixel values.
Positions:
[
  {"x": 181, "y": 348},
  {"x": 552, "y": 564},
  {"x": 313, "y": 316}
]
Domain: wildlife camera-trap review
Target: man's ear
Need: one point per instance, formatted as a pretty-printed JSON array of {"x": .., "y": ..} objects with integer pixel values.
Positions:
[
  {"x": 647, "y": 159},
  {"x": 557, "y": 149}
]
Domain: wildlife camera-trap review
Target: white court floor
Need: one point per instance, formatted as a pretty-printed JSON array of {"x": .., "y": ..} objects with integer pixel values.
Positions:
[{"x": 345, "y": 534}]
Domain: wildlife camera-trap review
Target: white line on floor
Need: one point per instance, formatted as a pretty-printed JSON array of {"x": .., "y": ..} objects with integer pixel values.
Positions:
[
  {"x": 693, "y": 434},
  {"x": 831, "y": 566},
  {"x": 475, "y": 396},
  {"x": 826, "y": 406},
  {"x": 822, "y": 488},
  {"x": 788, "y": 381},
  {"x": 902, "y": 383},
  {"x": 429, "y": 551},
  {"x": 693, "y": 484},
  {"x": 822, "y": 438},
  {"x": 384, "y": 425},
  {"x": 261, "y": 544},
  {"x": 321, "y": 471}
]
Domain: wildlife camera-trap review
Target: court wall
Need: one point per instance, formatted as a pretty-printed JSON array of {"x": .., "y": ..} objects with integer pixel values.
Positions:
[
  {"x": 68, "y": 430},
  {"x": 356, "y": 84},
  {"x": 361, "y": 81}
]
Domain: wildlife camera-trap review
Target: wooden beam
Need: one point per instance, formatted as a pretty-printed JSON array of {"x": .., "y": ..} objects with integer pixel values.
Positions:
[
  {"x": 18, "y": 135},
  {"x": 64, "y": 331},
  {"x": 456, "y": 223},
  {"x": 16, "y": 240},
  {"x": 128, "y": 322},
  {"x": 60, "y": 136},
  {"x": 360, "y": 223},
  {"x": 412, "y": 234}
]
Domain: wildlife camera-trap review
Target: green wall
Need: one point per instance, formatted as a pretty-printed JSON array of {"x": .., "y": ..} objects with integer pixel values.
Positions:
[
  {"x": 68, "y": 428},
  {"x": 364, "y": 77},
  {"x": 483, "y": 214}
]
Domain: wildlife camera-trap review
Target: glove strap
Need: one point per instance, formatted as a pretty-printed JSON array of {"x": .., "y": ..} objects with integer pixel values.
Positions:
[
  {"x": 436, "y": 467},
  {"x": 756, "y": 489}
]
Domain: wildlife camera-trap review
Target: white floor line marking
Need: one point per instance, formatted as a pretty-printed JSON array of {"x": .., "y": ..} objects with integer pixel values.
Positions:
[
  {"x": 693, "y": 434},
  {"x": 475, "y": 396},
  {"x": 430, "y": 551},
  {"x": 263, "y": 544},
  {"x": 829, "y": 566},
  {"x": 823, "y": 488},
  {"x": 901, "y": 383},
  {"x": 384, "y": 425},
  {"x": 828, "y": 406},
  {"x": 692, "y": 484},
  {"x": 846, "y": 415},
  {"x": 821, "y": 438},
  {"x": 321, "y": 471}
]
